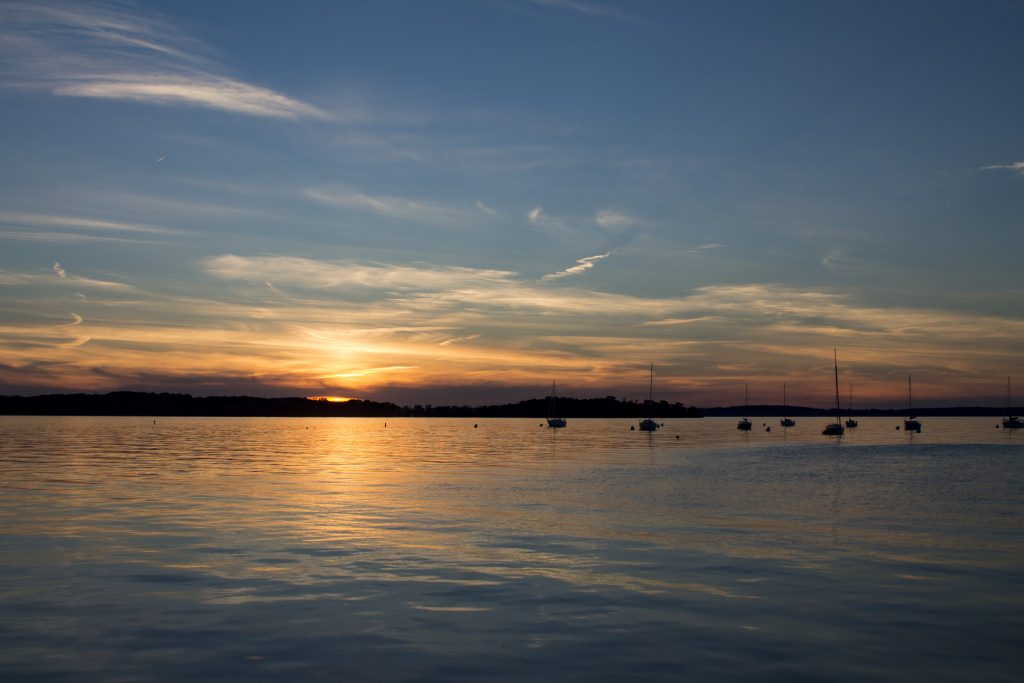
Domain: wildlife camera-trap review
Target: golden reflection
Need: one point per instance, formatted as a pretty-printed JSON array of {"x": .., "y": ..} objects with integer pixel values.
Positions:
[{"x": 357, "y": 510}]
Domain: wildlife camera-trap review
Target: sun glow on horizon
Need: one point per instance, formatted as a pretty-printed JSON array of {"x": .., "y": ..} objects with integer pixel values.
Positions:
[{"x": 331, "y": 399}]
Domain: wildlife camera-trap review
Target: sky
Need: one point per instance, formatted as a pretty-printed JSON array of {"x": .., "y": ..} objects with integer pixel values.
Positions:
[{"x": 461, "y": 201}]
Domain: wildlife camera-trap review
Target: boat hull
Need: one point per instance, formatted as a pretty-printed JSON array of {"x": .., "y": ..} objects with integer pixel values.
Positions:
[
  {"x": 648, "y": 426},
  {"x": 556, "y": 422},
  {"x": 834, "y": 429}
]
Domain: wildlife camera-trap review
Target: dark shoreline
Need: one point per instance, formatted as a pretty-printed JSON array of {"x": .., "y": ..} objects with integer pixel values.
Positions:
[{"x": 130, "y": 403}]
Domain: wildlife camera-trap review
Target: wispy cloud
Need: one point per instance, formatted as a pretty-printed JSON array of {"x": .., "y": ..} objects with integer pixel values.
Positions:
[
  {"x": 317, "y": 274},
  {"x": 1017, "y": 166},
  {"x": 536, "y": 216},
  {"x": 76, "y": 223},
  {"x": 63, "y": 279},
  {"x": 576, "y": 6},
  {"x": 391, "y": 206},
  {"x": 614, "y": 221},
  {"x": 677, "y": 321},
  {"x": 582, "y": 265},
  {"x": 66, "y": 237},
  {"x": 486, "y": 209},
  {"x": 457, "y": 340},
  {"x": 109, "y": 51}
]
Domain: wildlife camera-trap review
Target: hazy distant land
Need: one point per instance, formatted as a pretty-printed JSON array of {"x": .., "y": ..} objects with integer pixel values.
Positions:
[{"x": 166, "y": 404}]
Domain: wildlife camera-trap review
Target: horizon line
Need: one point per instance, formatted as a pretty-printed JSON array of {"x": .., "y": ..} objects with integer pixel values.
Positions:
[{"x": 342, "y": 400}]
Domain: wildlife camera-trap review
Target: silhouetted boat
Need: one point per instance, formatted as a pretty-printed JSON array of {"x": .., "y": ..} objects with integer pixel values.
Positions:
[
  {"x": 836, "y": 428},
  {"x": 648, "y": 424},
  {"x": 850, "y": 422},
  {"x": 744, "y": 424},
  {"x": 554, "y": 422},
  {"x": 785, "y": 422},
  {"x": 1010, "y": 422},
  {"x": 911, "y": 424}
]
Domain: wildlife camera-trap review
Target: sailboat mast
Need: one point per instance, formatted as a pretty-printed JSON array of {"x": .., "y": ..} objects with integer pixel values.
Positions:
[
  {"x": 910, "y": 395},
  {"x": 650, "y": 391},
  {"x": 650, "y": 396},
  {"x": 835, "y": 365}
]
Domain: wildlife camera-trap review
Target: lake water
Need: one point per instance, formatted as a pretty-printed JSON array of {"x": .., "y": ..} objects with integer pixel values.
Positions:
[{"x": 427, "y": 549}]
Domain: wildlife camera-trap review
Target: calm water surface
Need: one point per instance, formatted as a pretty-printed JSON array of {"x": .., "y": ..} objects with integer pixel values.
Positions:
[{"x": 272, "y": 549}]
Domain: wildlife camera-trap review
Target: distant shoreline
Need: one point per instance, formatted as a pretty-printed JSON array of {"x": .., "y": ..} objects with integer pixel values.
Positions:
[
  {"x": 130, "y": 403},
  {"x": 138, "y": 404}
]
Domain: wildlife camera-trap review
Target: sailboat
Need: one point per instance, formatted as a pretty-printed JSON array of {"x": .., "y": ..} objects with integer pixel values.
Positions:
[
  {"x": 785, "y": 422},
  {"x": 836, "y": 428},
  {"x": 911, "y": 424},
  {"x": 1010, "y": 422},
  {"x": 744, "y": 424},
  {"x": 647, "y": 424},
  {"x": 850, "y": 422},
  {"x": 553, "y": 421}
]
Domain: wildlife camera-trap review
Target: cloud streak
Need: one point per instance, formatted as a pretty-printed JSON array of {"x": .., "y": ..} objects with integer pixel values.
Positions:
[
  {"x": 317, "y": 274},
  {"x": 1017, "y": 166},
  {"x": 614, "y": 221},
  {"x": 392, "y": 207},
  {"x": 582, "y": 265},
  {"x": 576, "y": 6},
  {"x": 77, "y": 223},
  {"x": 109, "y": 52}
]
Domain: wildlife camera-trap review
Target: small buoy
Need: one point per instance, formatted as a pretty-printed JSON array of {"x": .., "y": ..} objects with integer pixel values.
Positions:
[
  {"x": 768, "y": 429},
  {"x": 632, "y": 428},
  {"x": 897, "y": 428},
  {"x": 677, "y": 436},
  {"x": 474, "y": 426}
]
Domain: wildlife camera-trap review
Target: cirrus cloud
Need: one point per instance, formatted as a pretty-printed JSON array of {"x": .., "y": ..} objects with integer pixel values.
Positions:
[{"x": 110, "y": 52}]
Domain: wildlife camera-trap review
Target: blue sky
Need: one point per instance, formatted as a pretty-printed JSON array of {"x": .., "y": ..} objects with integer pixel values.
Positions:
[{"x": 461, "y": 200}]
